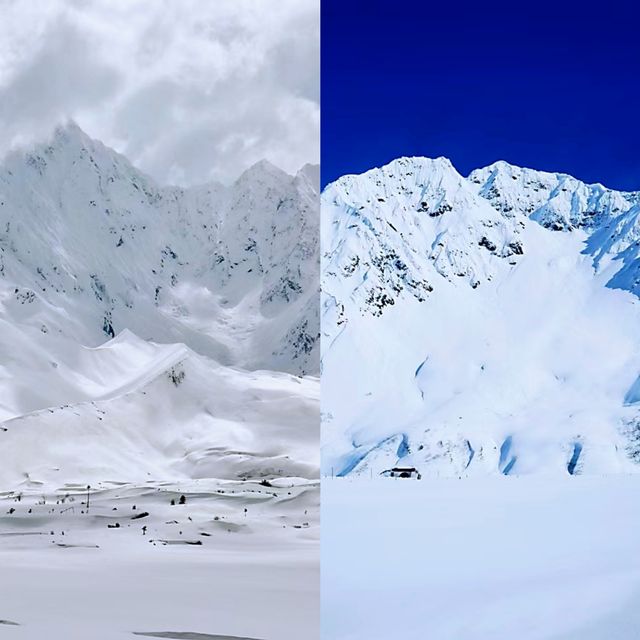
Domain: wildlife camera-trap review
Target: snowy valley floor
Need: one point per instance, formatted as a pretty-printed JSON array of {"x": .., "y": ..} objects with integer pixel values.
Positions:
[
  {"x": 526, "y": 558},
  {"x": 238, "y": 559}
]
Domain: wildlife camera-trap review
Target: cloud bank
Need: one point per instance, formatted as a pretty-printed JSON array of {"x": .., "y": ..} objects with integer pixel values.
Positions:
[{"x": 188, "y": 90}]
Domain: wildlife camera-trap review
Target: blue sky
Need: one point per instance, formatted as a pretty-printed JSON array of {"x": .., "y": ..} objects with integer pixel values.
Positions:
[{"x": 550, "y": 85}]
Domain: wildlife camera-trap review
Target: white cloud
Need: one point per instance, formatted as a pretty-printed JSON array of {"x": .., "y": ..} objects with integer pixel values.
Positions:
[{"x": 188, "y": 90}]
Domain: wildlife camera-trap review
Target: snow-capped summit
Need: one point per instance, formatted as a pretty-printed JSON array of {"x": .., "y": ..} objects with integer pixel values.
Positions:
[
  {"x": 481, "y": 324},
  {"x": 389, "y": 221},
  {"x": 556, "y": 200}
]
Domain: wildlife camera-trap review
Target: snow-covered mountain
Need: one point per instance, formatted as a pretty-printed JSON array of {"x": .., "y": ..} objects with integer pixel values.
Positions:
[
  {"x": 487, "y": 324},
  {"x": 151, "y": 332},
  {"x": 230, "y": 271}
]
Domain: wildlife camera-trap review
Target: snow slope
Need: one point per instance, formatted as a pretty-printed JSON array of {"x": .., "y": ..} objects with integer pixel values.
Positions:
[
  {"x": 479, "y": 325},
  {"x": 177, "y": 416}
]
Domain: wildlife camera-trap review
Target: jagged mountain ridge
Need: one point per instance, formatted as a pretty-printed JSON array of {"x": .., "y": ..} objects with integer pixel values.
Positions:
[
  {"x": 89, "y": 246},
  {"x": 413, "y": 254},
  {"x": 154, "y": 333}
]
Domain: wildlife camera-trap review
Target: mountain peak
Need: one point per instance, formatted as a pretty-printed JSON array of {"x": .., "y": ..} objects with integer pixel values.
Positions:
[
  {"x": 264, "y": 169},
  {"x": 70, "y": 132},
  {"x": 408, "y": 164},
  {"x": 506, "y": 169},
  {"x": 312, "y": 173}
]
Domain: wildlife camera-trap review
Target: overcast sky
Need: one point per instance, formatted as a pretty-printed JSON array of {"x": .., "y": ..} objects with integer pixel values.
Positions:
[{"x": 188, "y": 90}]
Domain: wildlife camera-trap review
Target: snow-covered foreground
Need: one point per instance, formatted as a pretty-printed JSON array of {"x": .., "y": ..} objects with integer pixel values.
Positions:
[
  {"x": 237, "y": 559},
  {"x": 531, "y": 558},
  {"x": 152, "y": 423}
]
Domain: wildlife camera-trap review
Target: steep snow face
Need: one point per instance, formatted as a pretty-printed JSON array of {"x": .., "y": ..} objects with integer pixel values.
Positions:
[
  {"x": 90, "y": 246},
  {"x": 479, "y": 325}
]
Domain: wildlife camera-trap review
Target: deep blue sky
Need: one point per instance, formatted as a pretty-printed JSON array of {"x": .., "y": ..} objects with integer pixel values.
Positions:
[{"x": 548, "y": 85}]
